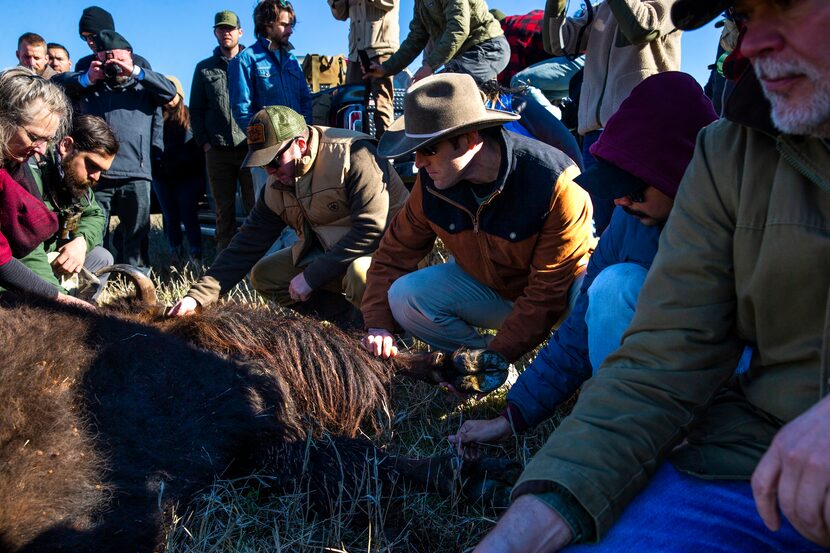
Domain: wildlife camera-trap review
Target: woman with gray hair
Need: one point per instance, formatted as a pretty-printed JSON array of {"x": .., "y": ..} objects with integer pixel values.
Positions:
[{"x": 33, "y": 114}]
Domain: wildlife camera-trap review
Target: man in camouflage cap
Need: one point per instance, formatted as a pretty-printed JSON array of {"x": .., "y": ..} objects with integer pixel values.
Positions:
[{"x": 338, "y": 195}]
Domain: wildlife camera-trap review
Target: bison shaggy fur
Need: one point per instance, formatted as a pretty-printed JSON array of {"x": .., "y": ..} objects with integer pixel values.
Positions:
[{"x": 106, "y": 422}]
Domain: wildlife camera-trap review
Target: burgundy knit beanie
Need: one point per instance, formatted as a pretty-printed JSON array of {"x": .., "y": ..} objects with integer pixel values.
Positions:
[{"x": 652, "y": 135}]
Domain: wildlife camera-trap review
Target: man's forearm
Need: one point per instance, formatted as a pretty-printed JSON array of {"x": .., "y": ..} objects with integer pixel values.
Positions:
[{"x": 528, "y": 526}]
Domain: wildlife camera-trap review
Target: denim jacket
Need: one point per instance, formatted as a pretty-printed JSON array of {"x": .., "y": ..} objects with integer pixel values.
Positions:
[{"x": 256, "y": 78}]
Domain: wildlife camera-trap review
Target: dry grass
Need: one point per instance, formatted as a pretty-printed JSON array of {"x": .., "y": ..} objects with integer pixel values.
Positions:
[{"x": 233, "y": 516}]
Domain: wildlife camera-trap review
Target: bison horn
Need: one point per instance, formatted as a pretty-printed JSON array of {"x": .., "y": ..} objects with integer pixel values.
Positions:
[{"x": 144, "y": 288}]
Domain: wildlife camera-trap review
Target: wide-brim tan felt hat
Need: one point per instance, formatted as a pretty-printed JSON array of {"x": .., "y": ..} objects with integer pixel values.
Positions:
[
  {"x": 268, "y": 131},
  {"x": 436, "y": 108}
]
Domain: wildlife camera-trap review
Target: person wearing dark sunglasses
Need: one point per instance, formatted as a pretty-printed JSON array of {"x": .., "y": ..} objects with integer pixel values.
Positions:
[
  {"x": 330, "y": 187},
  {"x": 624, "y": 254}
]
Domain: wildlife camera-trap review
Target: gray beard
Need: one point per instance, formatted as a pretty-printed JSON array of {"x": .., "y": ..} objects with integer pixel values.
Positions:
[{"x": 810, "y": 118}]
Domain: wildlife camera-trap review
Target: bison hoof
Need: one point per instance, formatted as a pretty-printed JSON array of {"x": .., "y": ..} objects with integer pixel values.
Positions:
[{"x": 489, "y": 480}]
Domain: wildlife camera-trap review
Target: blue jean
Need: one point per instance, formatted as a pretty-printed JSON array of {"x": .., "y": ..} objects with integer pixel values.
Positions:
[
  {"x": 442, "y": 305},
  {"x": 679, "y": 513},
  {"x": 129, "y": 199},
  {"x": 483, "y": 61},
  {"x": 551, "y": 76},
  {"x": 180, "y": 205},
  {"x": 603, "y": 208},
  {"x": 612, "y": 301}
]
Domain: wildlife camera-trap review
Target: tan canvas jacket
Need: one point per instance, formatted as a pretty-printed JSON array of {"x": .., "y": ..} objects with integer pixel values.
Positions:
[
  {"x": 628, "y": 41},
  {"x": 373, "y": 25}
]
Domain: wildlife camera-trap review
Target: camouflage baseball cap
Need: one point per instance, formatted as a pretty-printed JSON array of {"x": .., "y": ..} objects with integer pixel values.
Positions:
[
  {"x": 226, "y": 17},
  {"x": 268, "y": 131}
]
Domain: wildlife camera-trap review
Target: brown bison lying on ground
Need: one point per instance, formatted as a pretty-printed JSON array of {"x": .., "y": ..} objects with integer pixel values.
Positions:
[{"x": 107, "y": 423}]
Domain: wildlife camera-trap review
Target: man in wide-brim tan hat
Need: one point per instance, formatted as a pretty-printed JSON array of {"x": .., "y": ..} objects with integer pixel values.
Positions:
[{"x": 506, "y": 208}]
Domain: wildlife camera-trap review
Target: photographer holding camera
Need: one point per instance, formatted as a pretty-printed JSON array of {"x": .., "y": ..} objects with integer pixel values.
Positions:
[{"x": 129, "y": 98}]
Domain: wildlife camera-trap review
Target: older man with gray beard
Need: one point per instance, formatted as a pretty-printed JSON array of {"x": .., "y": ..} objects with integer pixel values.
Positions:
[{"x": 667, "y": 449}]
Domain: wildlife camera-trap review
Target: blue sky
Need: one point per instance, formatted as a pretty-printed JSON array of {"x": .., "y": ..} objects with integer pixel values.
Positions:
[{"x": 176, "y": 34}]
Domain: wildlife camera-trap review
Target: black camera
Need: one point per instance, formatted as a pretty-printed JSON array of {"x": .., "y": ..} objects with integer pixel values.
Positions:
[{"x": 111, "y": 70}]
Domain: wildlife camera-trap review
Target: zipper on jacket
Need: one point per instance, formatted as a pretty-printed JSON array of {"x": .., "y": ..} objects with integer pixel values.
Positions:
[{"x": 796, "y": 163}]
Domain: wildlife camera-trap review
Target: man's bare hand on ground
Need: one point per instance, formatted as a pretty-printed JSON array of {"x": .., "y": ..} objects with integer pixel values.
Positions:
[
  {"x": 298, "y": 288},
  {"x": 794, "y": 474},
  {"x": 380, "y": 342},
  {"x": 481, "y": 432},
  {"x": 528, "y": 526}
]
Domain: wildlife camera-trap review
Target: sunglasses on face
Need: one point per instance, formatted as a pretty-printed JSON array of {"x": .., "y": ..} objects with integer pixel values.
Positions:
[
  {"x": 637, "y": 197},
  {"x": 88, "y": 38},
  {"x": 275, "y": 163}
]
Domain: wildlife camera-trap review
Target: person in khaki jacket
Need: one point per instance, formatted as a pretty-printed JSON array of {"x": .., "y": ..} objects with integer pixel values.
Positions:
[
  {"x": 667, "y": 449},
  {"x": 338, "y": 195},
  {"x": 373, "y": 27},
  {"x": 624, "y": 42}
]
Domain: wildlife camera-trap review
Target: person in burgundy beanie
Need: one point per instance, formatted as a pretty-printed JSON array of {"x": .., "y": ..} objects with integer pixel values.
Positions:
[{"x": 642, "y": 155}]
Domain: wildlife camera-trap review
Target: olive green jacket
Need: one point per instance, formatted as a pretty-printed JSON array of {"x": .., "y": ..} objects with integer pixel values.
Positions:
[
  {"x": 210, "y": 106},
  {"x": 450, "y": 27},
  {"x": 744, "y": 258}
]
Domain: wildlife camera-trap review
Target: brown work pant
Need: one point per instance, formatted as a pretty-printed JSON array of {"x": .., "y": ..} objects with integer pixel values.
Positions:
[
  {"x": 224, "y": 169},
  {"x": 381, "y": 89}
]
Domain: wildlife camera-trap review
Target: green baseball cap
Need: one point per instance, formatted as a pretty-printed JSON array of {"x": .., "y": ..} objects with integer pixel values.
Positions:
[
  {"x": 268, "y": 131},
  {"x": 226, "y": 17}
]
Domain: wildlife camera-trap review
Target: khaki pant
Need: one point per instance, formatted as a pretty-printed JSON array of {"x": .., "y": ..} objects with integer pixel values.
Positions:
[
  {"x": 272, "y": 275},
  {"x": 383, "y": 91}
]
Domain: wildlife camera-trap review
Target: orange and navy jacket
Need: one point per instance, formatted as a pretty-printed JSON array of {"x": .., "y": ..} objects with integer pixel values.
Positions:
[{"x": 527, "y": 239}]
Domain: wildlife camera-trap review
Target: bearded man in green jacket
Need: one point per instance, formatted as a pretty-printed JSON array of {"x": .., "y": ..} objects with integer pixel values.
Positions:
[{"x": 667, "y": 449}]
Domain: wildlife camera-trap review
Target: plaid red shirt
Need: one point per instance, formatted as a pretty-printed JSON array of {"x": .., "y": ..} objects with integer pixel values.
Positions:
[{"x": 524, "y": 34}]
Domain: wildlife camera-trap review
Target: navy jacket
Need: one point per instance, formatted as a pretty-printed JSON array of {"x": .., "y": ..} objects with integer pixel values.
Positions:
[
  {"x": 133, "y": 110},
  {"x": 563, "y": 365}
]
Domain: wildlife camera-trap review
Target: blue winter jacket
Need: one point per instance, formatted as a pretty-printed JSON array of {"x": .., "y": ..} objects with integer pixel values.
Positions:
[
  {"x": 563, "y": 365},
  {"x": 257, "y": 79}
]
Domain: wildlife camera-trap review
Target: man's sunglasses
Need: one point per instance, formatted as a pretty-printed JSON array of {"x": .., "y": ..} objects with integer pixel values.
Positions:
[
  {"x": 637, "y": 197},
  {"x": 430, "y": 150},
  {"x": 275, "y": 162}
]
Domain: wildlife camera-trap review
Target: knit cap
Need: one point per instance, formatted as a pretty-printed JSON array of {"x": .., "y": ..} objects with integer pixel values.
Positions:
[{"x": 94, "y": 20}]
